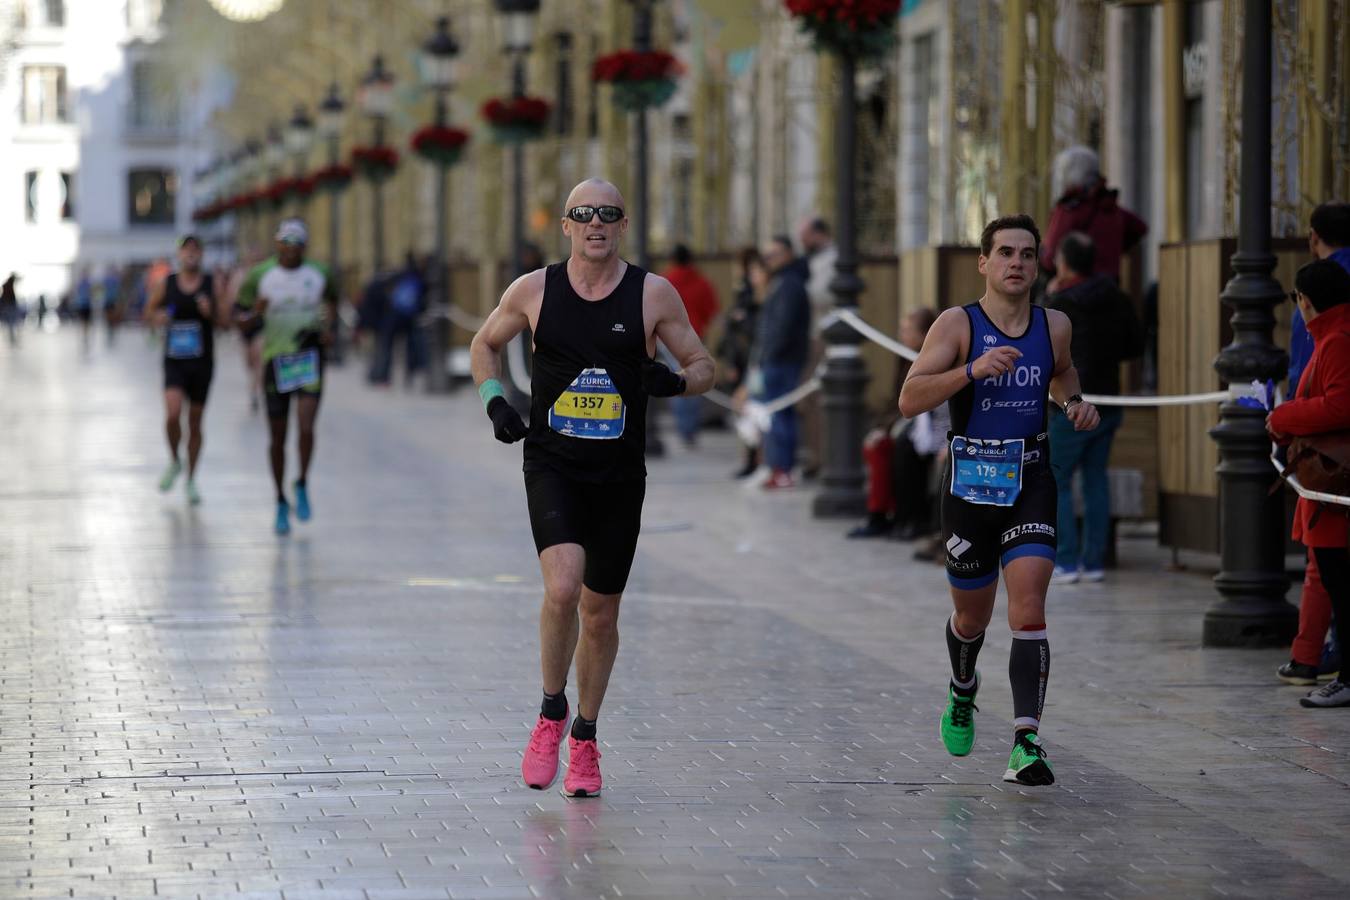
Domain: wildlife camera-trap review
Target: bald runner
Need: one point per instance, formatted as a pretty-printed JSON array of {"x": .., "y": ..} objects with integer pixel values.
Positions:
[{"x": 595, "y": 319}]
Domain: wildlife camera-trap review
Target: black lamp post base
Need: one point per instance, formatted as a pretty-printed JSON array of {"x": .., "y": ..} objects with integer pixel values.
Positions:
[
  {"x": 839, "y": 502},
  {"x": 1253, "y": 621}
]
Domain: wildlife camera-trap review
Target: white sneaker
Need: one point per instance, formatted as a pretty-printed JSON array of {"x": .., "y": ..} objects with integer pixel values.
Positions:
[
  {"x": 1094, "y": 576},
  {"x": 1064, "y": 575}
]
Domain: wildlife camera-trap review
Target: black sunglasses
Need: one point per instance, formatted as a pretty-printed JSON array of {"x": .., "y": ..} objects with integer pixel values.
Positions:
[{"x": 583, "y": 214}]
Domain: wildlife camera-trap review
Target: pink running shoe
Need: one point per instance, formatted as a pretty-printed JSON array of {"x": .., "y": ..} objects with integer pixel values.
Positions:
[
  {"x": 540, "y": 765},
  {"x": 583, "y": 769}
]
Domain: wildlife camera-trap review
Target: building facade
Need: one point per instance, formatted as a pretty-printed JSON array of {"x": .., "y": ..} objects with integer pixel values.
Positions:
[{"x": 96, "y": 152}]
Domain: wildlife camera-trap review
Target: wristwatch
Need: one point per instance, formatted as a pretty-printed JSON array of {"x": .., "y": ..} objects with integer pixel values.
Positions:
[{"x": 1076, "y": 398}]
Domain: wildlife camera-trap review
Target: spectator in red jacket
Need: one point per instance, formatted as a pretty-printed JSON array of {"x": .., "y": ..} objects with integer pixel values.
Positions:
[
  {"x": 1322, "y": 405},
  {"x": 700, "y": 302},
  {"x": 1086, "y": 204}
]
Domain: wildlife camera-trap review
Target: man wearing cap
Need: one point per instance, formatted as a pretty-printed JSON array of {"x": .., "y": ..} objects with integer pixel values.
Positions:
[
  {"x": 185, "y": 304},
  {"x": 296, "y": 300}
]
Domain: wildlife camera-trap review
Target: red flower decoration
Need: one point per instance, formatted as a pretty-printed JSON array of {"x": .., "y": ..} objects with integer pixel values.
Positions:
[
  {"x": 634, "y": 65},
  {"x": 375, "y": 163},
  {"x": 440, "y": 143},
  {"x": 439, "y": 136},
  {"x": 332, "y": 178},
  {"x": 517, "y": 111},
  {"x": 858, "y": 28}
]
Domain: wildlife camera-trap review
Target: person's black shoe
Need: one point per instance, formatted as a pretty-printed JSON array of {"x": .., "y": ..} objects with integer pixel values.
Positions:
[
  {"x": 908, "y": 532},
  {"x": 1297, "y": 673},
  {"x": 875, "y": 526}
]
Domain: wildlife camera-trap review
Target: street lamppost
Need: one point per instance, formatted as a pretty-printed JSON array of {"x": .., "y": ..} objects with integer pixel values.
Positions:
[
  {"x": 330, "y": 127},
  {"x": 438, "y": 73},
  {"x": 845, "y": 377},
  {"x": 1251, "y": 580},
  {"x": 299, "y": 138},
  {"x": 642, "y": 43},
  {"x": 517, "y": 33},
  {"x": 376, "y": 99}
]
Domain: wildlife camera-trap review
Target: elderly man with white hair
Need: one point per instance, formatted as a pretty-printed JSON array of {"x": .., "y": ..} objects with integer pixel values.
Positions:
[{"x": 1086, "y": 204}]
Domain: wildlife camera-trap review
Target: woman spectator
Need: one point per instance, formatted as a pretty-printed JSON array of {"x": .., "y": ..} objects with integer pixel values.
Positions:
[
  {"x": 1086, "y": 204},
  {"x": 1322, "y": 406}
]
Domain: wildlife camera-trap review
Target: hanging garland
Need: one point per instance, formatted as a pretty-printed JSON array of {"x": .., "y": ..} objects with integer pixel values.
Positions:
[
  {"x": 278, "y": 192},
  {"x": 375, "y": 164},
  {"x": 440, "y": 144},
  {"x": 515, "y": 120},
  {"x": 332, "y": 178},
  {"x": 641, "y": 79},
  {"x": 862, "y": 29}
]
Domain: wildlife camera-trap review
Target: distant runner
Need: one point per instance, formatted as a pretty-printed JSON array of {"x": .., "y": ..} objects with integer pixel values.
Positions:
[
  {"x": 296, "y": 301},
  {"x": 186, "y": 306}
]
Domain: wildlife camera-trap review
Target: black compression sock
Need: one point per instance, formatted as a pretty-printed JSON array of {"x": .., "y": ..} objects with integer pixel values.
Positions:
[
  {"x": 300, "y": 483},
  {"x": 1028, "y": 672},
  {"x": 555, "y": 705},
  {"x": 583, "y": 729},
  {"x": 963, "y": 651}
]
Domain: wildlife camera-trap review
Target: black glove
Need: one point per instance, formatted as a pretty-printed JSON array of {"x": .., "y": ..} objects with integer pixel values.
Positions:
[
  {"x": 658, "y": 381},
  {"x": 506, "y": 422}
]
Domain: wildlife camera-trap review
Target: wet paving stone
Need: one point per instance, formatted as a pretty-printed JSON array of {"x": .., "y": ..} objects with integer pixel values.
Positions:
[{"x": 191, "y": 706}]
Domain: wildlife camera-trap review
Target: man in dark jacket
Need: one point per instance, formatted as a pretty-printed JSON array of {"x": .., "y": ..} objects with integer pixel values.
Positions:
[
  {"x": 783, "y": 341},
  {"x": 1106, "y": 332}
]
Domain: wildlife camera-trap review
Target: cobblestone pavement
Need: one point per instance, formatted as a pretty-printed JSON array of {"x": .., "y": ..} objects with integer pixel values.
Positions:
[{"x": 192, "y": 706}]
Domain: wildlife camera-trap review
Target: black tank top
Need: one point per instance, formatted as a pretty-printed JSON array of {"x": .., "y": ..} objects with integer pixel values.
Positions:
[
  {"x": 183, "y": 313},
  {"x": 588, "y": 412}
]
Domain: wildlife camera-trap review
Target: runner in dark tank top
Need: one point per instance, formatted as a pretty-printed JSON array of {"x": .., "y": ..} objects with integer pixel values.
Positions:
[{"x": 596, "y": 320}]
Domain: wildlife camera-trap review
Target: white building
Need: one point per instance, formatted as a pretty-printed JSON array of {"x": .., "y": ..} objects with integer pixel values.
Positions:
[{"x": 95, "y": 154}]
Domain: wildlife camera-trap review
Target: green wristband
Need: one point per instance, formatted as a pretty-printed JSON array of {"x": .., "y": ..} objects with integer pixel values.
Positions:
[{"x": 489, "y": 389}]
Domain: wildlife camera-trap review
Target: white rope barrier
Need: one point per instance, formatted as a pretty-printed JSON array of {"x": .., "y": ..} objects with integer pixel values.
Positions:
[
  {"x": 1292, "y": 481},
  {"x": 872, "y": 333}
]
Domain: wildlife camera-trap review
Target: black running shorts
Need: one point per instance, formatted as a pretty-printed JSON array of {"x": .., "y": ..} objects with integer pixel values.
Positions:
[
  {"x": 981, "y": 538},
  {"x": 604, "y": 518},
  {"x": 278, "y": 404},
  {"x": 191, "y": 376}
]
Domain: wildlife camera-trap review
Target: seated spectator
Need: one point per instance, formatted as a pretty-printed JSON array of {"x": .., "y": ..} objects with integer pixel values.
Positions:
[
  {"x": 1322, "y": 406},
  {"x": 900, "y": 456},
  {"x": 1106, "y": 332}
]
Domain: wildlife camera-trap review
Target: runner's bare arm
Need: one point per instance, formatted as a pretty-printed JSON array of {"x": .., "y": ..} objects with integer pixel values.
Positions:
[
  {"x": 673, "y": 330},
  {"x": 509, "y": 319},
  {"x": 1064, "y": 383},
  {"x": 934, "y": 377}
]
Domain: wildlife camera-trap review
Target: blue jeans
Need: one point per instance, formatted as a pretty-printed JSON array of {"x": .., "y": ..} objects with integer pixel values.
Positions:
[
  {"x": 780, "y": 444},
  {"x": 1088, "y": 451},
  {"x": 688, "y": 416}
]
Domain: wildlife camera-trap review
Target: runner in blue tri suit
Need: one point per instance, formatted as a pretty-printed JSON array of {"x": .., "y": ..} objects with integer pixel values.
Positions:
[{"x": 997, "y": 363}]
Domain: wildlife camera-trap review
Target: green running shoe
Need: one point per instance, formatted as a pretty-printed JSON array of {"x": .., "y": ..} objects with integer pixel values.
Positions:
[
  {"x": 958, "y": 720},
  {"x": 1028, "y": 764},
  {"x": 170, "y": 476}
]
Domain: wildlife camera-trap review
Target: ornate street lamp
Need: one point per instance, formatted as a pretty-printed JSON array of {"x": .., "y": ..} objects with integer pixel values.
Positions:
[
  {"x": 246, "y": 10},
  {"x": 438, "y": 69},
  {"x": 376, "y": 99},
  {"x": 299, "y": 139},
  {"x": 517, "y": 33},
  {"x": 330, "y": 127},
  {"x": 1252, "y": 611}
]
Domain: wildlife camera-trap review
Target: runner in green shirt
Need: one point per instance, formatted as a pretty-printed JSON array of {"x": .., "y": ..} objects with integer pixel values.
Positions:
[{"x": 296, "y": 300}]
